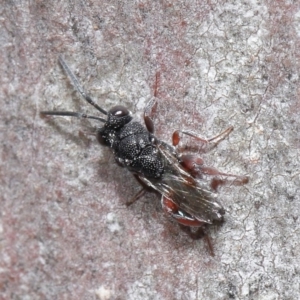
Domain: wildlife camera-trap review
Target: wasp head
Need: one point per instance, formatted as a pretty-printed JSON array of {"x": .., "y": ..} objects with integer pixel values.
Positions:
[{"x": 117, "y": 118}]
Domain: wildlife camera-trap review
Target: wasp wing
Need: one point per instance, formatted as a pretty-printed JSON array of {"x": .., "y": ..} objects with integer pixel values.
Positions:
[{"x": 191, "y": 195}]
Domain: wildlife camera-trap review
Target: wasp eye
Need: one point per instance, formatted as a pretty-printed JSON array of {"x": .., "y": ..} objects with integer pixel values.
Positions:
[
  {"x": 118, "y": 116},
  {"x": 119, "y": 111}
]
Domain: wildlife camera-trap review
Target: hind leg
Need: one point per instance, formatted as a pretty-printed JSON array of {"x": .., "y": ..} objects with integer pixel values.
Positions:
[
  {"x": 195, "y": 166},
  {"x": 215, "y": 140}
]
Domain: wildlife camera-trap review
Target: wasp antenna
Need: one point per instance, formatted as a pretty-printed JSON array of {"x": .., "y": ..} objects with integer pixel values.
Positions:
[
  {"x": 71, "y": 114},
  {"x": 78, "y": 86}
]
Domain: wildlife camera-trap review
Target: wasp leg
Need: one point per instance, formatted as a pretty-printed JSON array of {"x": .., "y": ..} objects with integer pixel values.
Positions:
[
  {"x": 157, "y": 79},
  {"x": 149, "y": 113},
  {"x": 143, "y": 184},
  {"x": 238, "y": 180},
  {"x": 194, "y": 235},
  {"x": 151, "y": 107},
  {"x": 141, "y": 193},
  {"x": 198, "y": 234},
  {"x": 149, "y": 123},
  {"x": 216, "y": 139},
  {"x": 194, "y": 165}
]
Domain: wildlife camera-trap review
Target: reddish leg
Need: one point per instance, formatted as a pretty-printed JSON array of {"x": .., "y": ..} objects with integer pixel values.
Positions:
[
  {"x": 191, "y": 163},
  {"x": 237, "y": 180},
  {"x": 194, "y": 235},
  {"x": 157, "y": 79},
  {"x": 198, "y": 234},
  {"x": 151, "y": 107},
  {"x": 149, "y": 112},
  {"x": 216, "y": 139},
  {"x": 141, "y": 193},
  {"x": 194, "y": 165}
]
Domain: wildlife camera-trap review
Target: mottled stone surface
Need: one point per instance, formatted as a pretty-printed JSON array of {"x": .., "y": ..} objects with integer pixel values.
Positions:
[{"x": 65, "y": 232}]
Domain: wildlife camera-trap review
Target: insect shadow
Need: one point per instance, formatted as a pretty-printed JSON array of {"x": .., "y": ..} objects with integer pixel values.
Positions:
[{"x": 158, "y": 166}]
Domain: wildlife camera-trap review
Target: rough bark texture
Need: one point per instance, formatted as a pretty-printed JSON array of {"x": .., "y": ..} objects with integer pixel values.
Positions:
[{"x": 65, "y": 232}]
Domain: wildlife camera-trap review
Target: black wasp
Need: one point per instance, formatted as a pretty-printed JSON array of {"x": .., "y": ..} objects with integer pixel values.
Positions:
[{"x": 159, "y": 166}]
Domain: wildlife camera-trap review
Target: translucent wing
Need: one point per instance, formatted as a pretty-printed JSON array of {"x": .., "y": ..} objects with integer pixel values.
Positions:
[{"x": 191, "y": 195}]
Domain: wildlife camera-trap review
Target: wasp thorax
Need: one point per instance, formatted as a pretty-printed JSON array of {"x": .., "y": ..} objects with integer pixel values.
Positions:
[{"x": 118, "y": 116}]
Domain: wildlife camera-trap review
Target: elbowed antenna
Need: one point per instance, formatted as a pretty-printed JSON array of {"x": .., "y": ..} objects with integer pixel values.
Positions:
[
  {"x": 71, "y": 114},
  {"x": 78, "y": 87}
]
